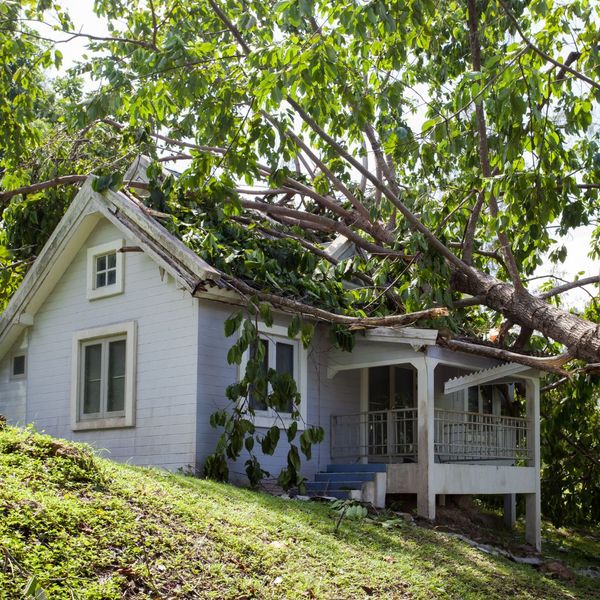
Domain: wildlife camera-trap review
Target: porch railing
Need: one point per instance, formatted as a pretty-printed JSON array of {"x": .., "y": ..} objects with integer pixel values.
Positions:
[
  {"x": 465, "y": 436},
  {"x": 384, "y": 435},
  {"x": 459, "y": 436}
]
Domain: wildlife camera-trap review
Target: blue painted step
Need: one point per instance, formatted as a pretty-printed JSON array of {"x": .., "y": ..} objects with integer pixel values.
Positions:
[
  {"x": 357, "y": 468},
  {"x": 344, "y": 476}
]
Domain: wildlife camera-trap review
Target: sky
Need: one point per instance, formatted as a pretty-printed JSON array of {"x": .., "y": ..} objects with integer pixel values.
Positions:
[{"x": 577, "y": 242}]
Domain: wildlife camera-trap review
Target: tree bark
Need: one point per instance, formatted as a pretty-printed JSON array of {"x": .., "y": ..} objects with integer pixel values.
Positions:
[{"x": 581, "y": 337}]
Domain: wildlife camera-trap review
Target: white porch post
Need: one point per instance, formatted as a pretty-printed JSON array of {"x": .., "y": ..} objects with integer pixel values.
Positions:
[
  {"x": 533, "y": 525},
  {"x": 425, "y": 421},
  {"x": 363, "y": 419}
]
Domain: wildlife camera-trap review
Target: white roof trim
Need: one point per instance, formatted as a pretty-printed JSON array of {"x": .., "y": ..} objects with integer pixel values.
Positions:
[
  {"x": 403, "y": 335},
  {"x": 457, "y": 384}
]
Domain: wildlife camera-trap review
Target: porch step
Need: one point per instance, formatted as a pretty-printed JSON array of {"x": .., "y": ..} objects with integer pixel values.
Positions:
[
  {"x": 345, "y": 476},
  {"x": 357, "y": 468},
  {"x": 333, "y": 486}
]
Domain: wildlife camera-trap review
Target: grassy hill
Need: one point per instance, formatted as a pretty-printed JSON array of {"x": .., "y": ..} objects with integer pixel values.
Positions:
[{"x": 90, "y": 528}]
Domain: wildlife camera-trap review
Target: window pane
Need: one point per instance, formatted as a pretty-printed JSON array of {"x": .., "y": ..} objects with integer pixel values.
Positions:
[
  {"x": 379, "y": 388},
  {"x": 92, "y": 379},
  {"x": 116, "y": 376},
  {"x": 100, "y": 280},
  {"x": 284, "y": 360},
  {"x": 111, "y": 277},
  {"x": 284, "y": 363},
  {"x": 487, "y": 397},
  {"x": 404, "y": 396},
  {"x": 474, "y": 399},
  {"x": 111, "y": 260},
  {"x": 19, "y": 365},
  {"x": 101, "y": 263},
  {"x": 255, "y": 402}
]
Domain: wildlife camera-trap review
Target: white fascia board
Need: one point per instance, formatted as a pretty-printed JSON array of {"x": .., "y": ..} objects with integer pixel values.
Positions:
[
  {"x": 403, "y": 335},
  {"x": 484, "y": 376}
]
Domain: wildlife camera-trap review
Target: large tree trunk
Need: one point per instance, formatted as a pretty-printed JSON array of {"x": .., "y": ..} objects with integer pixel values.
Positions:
[{"x": 581, "y": 337}]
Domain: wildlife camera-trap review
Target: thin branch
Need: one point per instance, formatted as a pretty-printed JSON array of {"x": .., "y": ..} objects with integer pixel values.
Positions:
[
  {"x": 380, "y": 160},
  {"x": 553, "y": 386},
  {"x": 234, "y": 30},
  {"x": 469, "y": 237},
  {"x": 339, "y": 185},
  {"x": 569, "y": 286},
  {"x": 326, "y": 224},
  {"x": 56, "y": 182},
  {"x": 42, "y": 185},
  {"x": 76, "y": 34}
]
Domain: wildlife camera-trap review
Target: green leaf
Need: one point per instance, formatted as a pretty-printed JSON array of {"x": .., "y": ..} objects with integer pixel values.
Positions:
[
  {"x": 33, "y": 589},
  {"x": 294, "y": 326}
]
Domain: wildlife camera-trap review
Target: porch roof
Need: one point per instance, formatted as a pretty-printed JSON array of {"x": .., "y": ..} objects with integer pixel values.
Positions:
[{"x": 483, "y": 376}]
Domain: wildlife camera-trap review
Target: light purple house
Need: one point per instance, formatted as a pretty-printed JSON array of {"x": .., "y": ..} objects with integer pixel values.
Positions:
[{"x": 115, "y": 338}]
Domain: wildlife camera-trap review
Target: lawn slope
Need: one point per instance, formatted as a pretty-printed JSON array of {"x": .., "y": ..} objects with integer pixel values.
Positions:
[{"x": 90, "y": 528}]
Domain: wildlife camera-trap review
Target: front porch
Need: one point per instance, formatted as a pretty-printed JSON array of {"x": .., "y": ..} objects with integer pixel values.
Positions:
[
  {"x": 441, "y": 423},
  {"x": 390, "y": 436}
]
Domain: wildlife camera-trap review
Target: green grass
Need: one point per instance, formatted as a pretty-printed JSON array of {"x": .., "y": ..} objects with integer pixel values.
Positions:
[{"x": 90, "y": 528}]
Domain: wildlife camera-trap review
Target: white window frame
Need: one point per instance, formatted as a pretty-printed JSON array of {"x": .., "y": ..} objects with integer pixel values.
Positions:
[
  {"x": 83, "y": 338},
  {"x": 18, "y": 376},
  {"x": 107, "y": 290},
  {"x": 272, "y": 335}
]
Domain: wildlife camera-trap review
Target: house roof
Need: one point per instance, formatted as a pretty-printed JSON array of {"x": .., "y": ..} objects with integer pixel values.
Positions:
[
  {"x": 88, "y": 207},
  {"x": 503, "y": 372}
]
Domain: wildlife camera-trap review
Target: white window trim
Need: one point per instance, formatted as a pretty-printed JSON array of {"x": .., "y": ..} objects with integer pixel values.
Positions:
[
  {"x": 108, "y": 290},
  {"x": 20, "y": 376},
  {"x": 268, "y": 418},
  {"x": 129, "y": 331}
]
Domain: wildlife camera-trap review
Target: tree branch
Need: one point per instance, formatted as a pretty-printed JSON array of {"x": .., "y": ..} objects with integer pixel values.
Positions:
[
  {"x": 289, "y": 305},
  {"x": 569, "y": 286},
  {"x": 469, "y": 238},
  {"x": 234, "y": 30}
]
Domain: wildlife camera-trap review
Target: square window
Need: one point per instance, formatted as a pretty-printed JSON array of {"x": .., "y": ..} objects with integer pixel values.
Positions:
[
  {"x": 105, "y": 270},
  {"x": 103, "y": 377},
  {"x": 18, "y": 367}
]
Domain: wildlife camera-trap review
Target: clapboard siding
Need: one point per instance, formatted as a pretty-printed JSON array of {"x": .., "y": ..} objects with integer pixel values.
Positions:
[
  {"x": 325, "y": 397},
  {"x": 13, "y": 392},
  {"x": 166, "y": 393}
]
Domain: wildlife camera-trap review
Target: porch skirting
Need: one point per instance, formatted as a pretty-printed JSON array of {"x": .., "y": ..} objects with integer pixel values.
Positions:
[{"x": 403, "y": 478}]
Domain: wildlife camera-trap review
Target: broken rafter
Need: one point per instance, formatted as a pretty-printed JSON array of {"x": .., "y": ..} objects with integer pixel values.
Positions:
[{"x": 551, "y": 364}]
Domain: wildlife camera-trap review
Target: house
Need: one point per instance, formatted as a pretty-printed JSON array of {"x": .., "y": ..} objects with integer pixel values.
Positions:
[{"x": 115, "y": 338}]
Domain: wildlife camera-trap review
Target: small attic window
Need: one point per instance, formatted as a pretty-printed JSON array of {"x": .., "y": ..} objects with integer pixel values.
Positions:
[
  {"x": 105, "y": 270},
  {"x": 19, "y": 367}
]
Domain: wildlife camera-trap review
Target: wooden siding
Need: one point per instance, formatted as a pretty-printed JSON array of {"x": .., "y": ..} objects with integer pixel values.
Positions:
[{"x": 164, "y": 434}]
